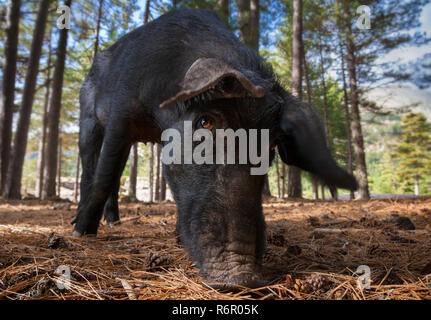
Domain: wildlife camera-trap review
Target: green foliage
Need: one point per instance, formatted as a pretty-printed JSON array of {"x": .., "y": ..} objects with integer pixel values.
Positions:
[{"x": 413, "y": 150}]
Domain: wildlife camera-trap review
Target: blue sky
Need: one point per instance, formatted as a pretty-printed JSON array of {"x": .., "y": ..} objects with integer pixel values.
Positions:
[{"x": 405, "y": 54}]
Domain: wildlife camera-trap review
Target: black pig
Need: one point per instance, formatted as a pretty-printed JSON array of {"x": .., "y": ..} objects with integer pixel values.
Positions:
[{"x": 187, "y": 65}]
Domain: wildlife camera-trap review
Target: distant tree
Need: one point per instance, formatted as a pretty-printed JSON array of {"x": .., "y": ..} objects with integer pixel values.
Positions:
[
  {"x": 357, "y": 137},
  {"x": 54, "y": 114},
  {"x": 151, "y": 171},
  {"x": 12, "y": 188},
  {"x": 347, "y": 117},
  {"x": 8, "y": 87},
  {"x": 98, "y": 25},
  {"x": 133, "y": 159},
  {"x": 223, "y": 10},
  {"x": 248, "y": 22},
  {"x": 414, "y": 152},
  {"x": 42, "y": 143},
  {"x": 133, "y": 170},
  {"x": 294, "y": 187}
]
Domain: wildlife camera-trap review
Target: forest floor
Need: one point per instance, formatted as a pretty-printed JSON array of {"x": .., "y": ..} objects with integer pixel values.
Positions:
[{"x": 314, "y": 251}]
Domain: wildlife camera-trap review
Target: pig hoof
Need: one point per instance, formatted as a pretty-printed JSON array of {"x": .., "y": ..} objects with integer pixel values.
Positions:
[
  {"x": 112, "y": 225},
  {"x": 76, "y": 234}
]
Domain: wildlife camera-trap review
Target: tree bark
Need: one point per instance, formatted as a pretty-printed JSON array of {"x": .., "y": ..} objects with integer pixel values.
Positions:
[
  {"x": 133, "y": 171},
  {"x": 133, "y": 158},
  {"x": 333, "y": 189},
  {"x": 357, "y": 137},
  {"x": 8, "y": 88},
  {"x": 348, "y": 125},
  {"x": 12, "y": 188},
  {"x": 244, "y": 20},
  {"x": 42, "y": 143},
  {"x": 162, "y": 187},
  {"x": 54, "y": 114},
  {"x": 254, "y": 24},
  {"x": 99, "y": 19},
  {"x": 416, "y": 185},
  {"x": 314, "y": 181},
  {"x": 223, "y": 10},
  {"x": 59, "y": 169},
  {"x": 294, "y": 186},
  {"x": 283, "y": 179},
  {"x": 147, "y": 11},
  {"x": 151, "y": 164},
  {"x": 325, "y": 99}
]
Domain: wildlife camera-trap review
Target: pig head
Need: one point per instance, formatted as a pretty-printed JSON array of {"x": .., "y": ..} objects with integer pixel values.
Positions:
[
  {"x": 220, "y": 218},
  {"x": 187, "y": 66}
]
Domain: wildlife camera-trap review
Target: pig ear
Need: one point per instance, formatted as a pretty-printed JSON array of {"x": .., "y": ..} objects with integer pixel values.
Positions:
[
  {"x": 302, "y": 144},
  {"x": 218, "y": 79}
]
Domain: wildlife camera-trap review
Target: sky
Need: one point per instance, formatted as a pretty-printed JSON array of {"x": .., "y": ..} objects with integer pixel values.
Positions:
[
  {"x": 405, "y": 54},
  {"x": 413, "y": 53}
]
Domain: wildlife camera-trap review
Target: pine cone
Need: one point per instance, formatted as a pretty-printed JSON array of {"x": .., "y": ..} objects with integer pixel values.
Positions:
[
  {"x": 302, "y": 286},
  {"x": 153, "y": 260},
  {"x": 318, "y": 282}
]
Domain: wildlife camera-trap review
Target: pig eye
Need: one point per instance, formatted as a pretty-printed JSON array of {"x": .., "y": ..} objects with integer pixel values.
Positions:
[{"x": 206, "y": 123}]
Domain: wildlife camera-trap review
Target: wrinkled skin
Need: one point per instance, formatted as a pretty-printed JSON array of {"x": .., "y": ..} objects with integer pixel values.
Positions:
[{"x": 187, "y": 65}]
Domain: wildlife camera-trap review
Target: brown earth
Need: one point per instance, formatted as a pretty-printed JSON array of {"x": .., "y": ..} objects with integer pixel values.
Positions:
[{"x": 314, "y": 250}]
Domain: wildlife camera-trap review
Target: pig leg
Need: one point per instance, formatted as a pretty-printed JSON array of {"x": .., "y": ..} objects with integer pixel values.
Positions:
[
  {"x": 109, "y": 166},
  {"x": 111, "y": 212},
  {"x": 90, "y": 143}
]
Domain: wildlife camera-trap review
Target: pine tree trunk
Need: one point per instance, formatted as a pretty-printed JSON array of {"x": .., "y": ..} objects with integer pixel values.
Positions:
[
  {"x": 294, "y": 186},
  {"x": 133, "y": 171},
  {"x": 283, "y": 179},
  {"x": 254, "y": 24},
  {"x": 12, "y": 188},
  {"x": 162, "y": 187},
  {"x": 99, "y": 19},
  {"x": 8, "y": 87},
  {"x": 348, "y": 126},
  {"x": 54, "y": 114},
  {"x": 42, "y": 143},
  {"x": 333, "y": 190},
  {"x": 147, "y": 11},
  {"x": 244, "y": 20},
  {"x": 59, "y": 169},
  {"x": 314, "y": 181},
  {"x": 223, "y": 10},
  {"x": 151, "y": 164},
  {"x": 325, "y": 99},
  {"x": 315, "y": 187},
  {"x": 357, "y": 137},
  {"x": 416, "y": 185}
]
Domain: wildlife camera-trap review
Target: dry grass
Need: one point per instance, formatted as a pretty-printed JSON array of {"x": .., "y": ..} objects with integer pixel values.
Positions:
[{"x": 314, "y": 249}]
